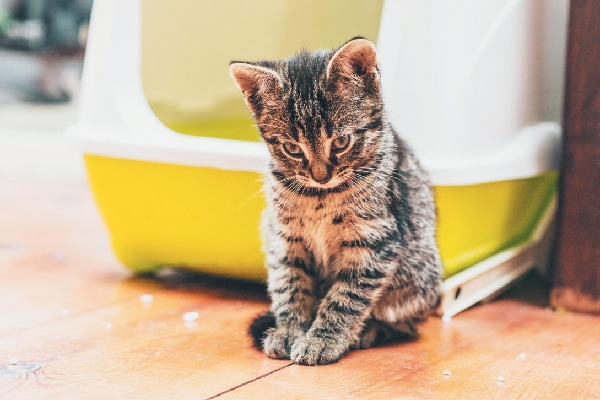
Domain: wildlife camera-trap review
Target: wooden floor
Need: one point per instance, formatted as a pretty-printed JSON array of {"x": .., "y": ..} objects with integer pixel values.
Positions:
[{"x": 76, "y": 325}]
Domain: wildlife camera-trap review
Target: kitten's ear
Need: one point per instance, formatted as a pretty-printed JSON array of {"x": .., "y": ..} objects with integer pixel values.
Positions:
[
  {"x": 354, "y": 63},
  {"x": 259, "y": 85}
]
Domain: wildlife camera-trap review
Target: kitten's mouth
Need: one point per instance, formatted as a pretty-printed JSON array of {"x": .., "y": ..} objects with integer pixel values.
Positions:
[
  {"x": 332, "y": 183},
  {"x": 305, "y": 186},
  {"x": 313, "y": 188}
]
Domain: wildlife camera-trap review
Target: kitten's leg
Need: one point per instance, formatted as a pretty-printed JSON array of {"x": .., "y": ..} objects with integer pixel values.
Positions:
[
  {"x": 406, "y": 303},
  {"x": 291, "y": 286},
  {"x": 343, "y": 312}
]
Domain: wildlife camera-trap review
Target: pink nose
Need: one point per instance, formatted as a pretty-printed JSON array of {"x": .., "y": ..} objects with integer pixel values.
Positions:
[{"x": 321, "y": 172}]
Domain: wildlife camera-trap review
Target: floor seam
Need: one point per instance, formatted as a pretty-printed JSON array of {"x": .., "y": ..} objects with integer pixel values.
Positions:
[{"x": 248, "y": 382}]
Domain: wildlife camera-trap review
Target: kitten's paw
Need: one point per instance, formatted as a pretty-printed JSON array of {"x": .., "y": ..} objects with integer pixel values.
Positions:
[
  {"x": 375, "y": 333},
  {"x": 317, "y": 351},
  {"x": 370, "y": 337},
  {"x": 279, "y": 341}
]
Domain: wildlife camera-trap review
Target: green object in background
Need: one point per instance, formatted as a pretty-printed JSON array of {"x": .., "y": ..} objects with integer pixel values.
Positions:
[{"x": 4, "y": 19}]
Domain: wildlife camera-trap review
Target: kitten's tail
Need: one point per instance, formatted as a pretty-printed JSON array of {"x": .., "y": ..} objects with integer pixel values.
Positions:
[{"x": 260, "y": 325}]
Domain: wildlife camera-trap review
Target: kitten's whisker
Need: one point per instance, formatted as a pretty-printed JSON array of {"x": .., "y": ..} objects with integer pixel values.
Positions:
[{"x": 250, "y": 198}]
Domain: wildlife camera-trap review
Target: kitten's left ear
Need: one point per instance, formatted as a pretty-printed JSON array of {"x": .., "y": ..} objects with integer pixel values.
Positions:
[
  {"x": 355, "y": 62},
  {"x": 260, "y": 86}
]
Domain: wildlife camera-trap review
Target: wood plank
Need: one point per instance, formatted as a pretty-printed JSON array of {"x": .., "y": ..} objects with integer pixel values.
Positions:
[
  {"x": 577, "y": 272},
  {"x": 539, "y": 354},
  {"x": 132, "y": 350},
  {"x": 70, "y": 309},
  {"x": 52, "y": 246}
]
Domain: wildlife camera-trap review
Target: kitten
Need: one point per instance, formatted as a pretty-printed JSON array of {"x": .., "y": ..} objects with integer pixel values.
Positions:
[{"x": 349, "y": 228}]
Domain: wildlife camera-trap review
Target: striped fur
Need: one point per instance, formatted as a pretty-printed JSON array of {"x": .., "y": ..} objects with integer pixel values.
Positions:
[{"x": 349, "y": 229}]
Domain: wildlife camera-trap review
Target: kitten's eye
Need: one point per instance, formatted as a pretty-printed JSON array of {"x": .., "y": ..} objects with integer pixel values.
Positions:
[
  {"x": 341, "y": 143},
  {"x": 292, "y": 149}
]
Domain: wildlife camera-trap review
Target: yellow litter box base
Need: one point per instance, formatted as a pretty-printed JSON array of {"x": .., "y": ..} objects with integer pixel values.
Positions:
[
  {"x": 208, "y": 219},
  {"x": 171, "y": 215},
  {"x": 477, "y": 221}
]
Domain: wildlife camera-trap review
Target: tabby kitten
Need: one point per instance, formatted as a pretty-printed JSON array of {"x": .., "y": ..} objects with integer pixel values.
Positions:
[{"x": 349, "y": 228}]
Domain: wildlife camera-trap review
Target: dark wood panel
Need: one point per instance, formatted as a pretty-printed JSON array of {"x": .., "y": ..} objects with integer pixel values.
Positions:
[{"x": 577, "y": 271}]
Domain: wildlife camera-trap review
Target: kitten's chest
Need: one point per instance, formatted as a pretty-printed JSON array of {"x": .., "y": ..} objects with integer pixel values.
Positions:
[
  {"x": 322, "y": 236},
  {"x": 323, "y": 226}
]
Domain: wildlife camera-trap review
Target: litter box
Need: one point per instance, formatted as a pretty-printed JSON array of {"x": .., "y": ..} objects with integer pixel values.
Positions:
[{"x": 183, "y": 189}]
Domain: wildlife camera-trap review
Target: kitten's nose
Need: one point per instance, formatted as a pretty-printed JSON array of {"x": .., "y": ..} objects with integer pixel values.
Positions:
[{"x": 321, "y": 172}]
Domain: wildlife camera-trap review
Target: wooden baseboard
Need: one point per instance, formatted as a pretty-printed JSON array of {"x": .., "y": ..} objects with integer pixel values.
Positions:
[
  {"x": 574, "y": 300},
  {"x": 576, "y": 278}
]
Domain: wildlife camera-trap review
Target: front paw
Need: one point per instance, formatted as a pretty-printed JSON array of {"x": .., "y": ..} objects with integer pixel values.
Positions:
[
  {"x": 313, "y": 350},
  {"x": 279, "y": 341}
]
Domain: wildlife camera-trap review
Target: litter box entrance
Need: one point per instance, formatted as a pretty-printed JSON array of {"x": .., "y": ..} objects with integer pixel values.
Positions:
[{"x": 187, "y": 47}]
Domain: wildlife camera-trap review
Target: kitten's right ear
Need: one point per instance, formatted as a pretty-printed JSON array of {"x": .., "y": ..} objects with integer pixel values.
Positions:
[
  {"x": 259, "y": 85},
  {"x": 354, "y": 65}
]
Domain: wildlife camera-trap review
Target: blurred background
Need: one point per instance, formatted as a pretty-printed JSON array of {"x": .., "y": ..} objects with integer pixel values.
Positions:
[{"x": 42, "y": 45}]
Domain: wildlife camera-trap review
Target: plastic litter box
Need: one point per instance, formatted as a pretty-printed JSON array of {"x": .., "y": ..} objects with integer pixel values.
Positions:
[{"x": 177, "y": 178}]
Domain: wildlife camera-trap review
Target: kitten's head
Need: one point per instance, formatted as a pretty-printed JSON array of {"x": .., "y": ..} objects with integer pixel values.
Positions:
[{"x": 320, "y": 114}]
